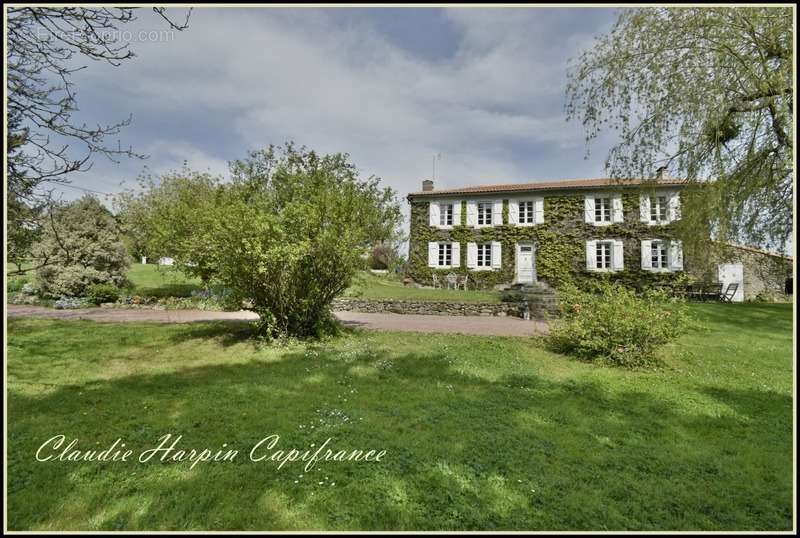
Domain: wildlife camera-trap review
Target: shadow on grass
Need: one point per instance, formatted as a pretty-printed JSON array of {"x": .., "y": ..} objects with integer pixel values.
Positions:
[{"x": 463, "y": 452}]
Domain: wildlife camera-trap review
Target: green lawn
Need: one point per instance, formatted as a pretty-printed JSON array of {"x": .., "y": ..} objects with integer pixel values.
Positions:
[
  {"x": 160, "y": 281},
  {"x": 480, "y": 433},
  {"x": 371, "y": 286},
  {"x": 164, "y": 281}
]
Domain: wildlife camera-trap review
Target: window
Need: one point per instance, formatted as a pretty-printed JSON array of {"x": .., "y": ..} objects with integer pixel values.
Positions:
[
  {"x": 603, "y": 255},
  {"x": 445, "y": 214},
  {"x": 484, "y": 255},
  {"x": 484, "y": 213},
  {"x": 602, "y": 209},
  {"x": 658, "y": 255},
  {"x": 658, "y": 208},
  {"x": 445, "y": 254},
  {"x": 526, "y": 215}
]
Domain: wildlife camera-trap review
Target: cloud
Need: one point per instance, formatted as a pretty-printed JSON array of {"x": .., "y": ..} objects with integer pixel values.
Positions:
[{"x": 241, "y": 79}]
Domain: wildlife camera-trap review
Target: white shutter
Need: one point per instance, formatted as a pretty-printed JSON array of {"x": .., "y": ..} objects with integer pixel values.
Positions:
[
  {"x": 497, "y": 254},
  {"x": 674, "y": 206},
  {"x": 538, "y": 210},
  {"x": 472, "y": 255},
  {"x": 676, "y": 255},
  {"x": 644, "y": 208},
  {"x": 433, "y": 214},
  {"x": 616, "y": 208},
  {"x": 513, "y": 212},
  {"x": 591, "y": 255},
  {"x": 433, "y": 254},
  {"x": 647, "y": 260},
  {"x": 618, "y": 258},
  {"x": 472, "y": 213},
  {"x": 497, "y": 213},
  {"x": 588, "y": 206},
  {"x": 457, "y": 213},
  {"x": 456, "y": 255}
]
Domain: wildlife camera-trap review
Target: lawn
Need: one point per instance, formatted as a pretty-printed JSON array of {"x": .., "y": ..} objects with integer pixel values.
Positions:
[
  {"x": 371, "y": 286},
  {"x": 160, "y": 281},
  {"x": 164, "y": 281},
  {"x": 480, "y": 433}
]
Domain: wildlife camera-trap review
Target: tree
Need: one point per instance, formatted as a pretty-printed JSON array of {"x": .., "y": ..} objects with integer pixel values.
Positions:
[
  {"x": 81, "y": 246},
  {"x": 286, "y": 235},
  {"x": 163, "y": 218},
  {"x": 46, "y": 46},
  {"x": 706, "y": 92}
]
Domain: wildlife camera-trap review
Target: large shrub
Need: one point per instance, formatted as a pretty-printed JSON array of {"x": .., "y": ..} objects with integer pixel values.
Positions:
[
  {"x": 80, "y": 246},
  {"x": 613, "y": 323},
  {"x": 284, "y": 236}
]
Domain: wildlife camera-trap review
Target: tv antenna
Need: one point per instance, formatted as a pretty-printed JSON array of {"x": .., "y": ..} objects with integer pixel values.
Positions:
[{"x": 437, "y": 157}]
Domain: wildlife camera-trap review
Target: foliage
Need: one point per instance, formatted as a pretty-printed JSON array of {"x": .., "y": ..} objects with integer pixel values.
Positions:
[
  {"x": 286, "y": 235},
  {"x": 70, "y": 303},
  {"x": 102, "y": 293},
  {"x": 381, "y": 256},
  {"x": 560, "y": 251},
  {"x": 613, "y": 323},
  {"x": 163, "y": 216},
  {"x": 706, "y": 92},
  {"x": 80, "y": 246}
]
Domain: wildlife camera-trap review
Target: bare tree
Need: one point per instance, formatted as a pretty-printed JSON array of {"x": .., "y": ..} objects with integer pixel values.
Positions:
[{"x": 45, "y": 47}]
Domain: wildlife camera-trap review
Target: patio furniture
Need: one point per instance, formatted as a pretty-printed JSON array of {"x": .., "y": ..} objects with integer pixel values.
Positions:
[
  {"x": 452, "y": 280},
  {"x": 730, "y": 291},
  {"x": 461, "y": 281},
  {"x": 712, "y": 292},
  {"x": 436, "y": 283}
]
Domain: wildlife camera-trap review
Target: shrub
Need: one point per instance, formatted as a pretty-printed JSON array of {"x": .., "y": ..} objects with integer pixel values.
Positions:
[
  {"x": 68, "y": 303},
  {"x": 15, "y": 284},
  {"x": 381, "y": 257},
  {"x": 284, "y": 236},
  {"x": 83, "y": 247},
  {"x": 102, "y": 293},
  {"x": 612, "y": 323}
]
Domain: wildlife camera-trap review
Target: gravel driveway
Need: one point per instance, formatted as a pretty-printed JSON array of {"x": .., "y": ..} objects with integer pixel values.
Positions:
[{"x": 497, "y": 326}]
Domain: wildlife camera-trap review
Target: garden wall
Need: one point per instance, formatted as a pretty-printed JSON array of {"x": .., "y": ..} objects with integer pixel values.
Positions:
[{"x": 397, "y": 306}]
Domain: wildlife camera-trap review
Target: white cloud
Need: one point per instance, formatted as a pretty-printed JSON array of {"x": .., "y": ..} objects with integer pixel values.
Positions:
[{"x": 276, "y": 75}]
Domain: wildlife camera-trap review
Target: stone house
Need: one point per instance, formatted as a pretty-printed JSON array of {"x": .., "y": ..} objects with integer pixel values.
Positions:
[{"x": 550, "y": 231}]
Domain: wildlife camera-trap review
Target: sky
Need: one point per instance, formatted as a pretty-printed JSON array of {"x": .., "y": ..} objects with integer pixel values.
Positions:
[{"x": 393, "y": 87}]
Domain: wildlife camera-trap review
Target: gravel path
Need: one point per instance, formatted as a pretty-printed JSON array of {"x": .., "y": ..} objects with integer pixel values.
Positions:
[{"x": 497, "y": 326}]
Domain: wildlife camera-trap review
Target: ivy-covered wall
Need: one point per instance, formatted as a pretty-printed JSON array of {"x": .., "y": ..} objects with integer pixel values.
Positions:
[{"x": 560, "y": 244}]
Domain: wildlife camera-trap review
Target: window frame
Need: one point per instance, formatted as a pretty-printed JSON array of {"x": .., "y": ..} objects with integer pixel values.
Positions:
[
  {"x": 604, "y": 209},
  {"x": 445, "y": 251},
  {"x": 449, "y": 212},
  {"x": 483, "y": 253},
  {"x": 610, "y": 258}
]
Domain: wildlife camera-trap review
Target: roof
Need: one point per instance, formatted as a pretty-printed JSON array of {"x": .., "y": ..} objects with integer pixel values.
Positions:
[
  {"x": 551, "y": 185},
  {"x": 760, "y": 251}
]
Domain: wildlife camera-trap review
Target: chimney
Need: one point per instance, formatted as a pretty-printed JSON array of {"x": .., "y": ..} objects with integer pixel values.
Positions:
[
  {"x": 427, "y": 185},
  {"x": 662, "y": 173}
]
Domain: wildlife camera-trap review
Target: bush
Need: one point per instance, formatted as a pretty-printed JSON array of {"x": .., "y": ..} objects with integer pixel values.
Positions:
[
  {"x": 614, "y": 324},
  {"x": 15, "y": 284},
  {"x": 83, "y": 247},
  {"x": 102, "y": 293},
  {"x": 381, "y": 257},
  {"x": 68, "y": 303}
]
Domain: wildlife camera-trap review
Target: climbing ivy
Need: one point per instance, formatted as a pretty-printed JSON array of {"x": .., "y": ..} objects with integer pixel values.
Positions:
[{"x": 560, "y": 244}]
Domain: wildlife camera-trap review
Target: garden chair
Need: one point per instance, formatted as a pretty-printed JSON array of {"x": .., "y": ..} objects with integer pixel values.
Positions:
[
  {"x": 462, "y": 282},
  {"x": 730, "y": 291},
  {"x": 436, "y": 281},
  {"x": 452, "y": 280}
]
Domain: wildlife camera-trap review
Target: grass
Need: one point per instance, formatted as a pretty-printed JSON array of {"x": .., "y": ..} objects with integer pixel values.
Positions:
[
  {"x": 480, "y": 433},
  {"x": 160, "y": 281},
  {"x": 371, "y": 286}
]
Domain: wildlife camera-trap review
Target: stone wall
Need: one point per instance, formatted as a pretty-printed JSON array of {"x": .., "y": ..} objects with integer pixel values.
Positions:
[{"x": 397, "y": 306}]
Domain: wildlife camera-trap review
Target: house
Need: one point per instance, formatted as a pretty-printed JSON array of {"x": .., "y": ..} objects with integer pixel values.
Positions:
[
  {"x": 553, "y": 231},
  {"x": 760, "y": 274}
]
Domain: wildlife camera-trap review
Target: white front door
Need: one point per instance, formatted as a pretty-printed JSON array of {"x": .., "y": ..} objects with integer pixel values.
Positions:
[
  {"x": 732, "y": 273},
  {"x": 525, "y": 269}
]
